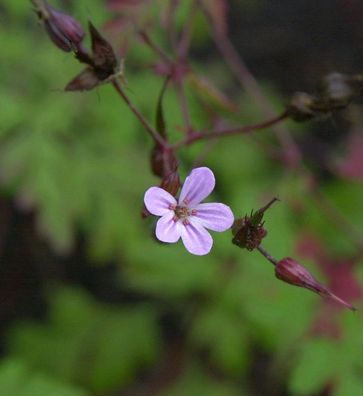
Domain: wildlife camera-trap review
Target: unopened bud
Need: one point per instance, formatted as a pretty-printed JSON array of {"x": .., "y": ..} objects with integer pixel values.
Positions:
[
  {"x": 65, "y": 32},
  {"x": 171, "y": 183},
  {"x": 290, "y": 271},
  {"x": 163, "y": 161}
]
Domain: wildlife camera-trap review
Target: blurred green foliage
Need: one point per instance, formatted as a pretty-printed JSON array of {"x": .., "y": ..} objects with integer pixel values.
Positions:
[{"x": 80, "y": 161}]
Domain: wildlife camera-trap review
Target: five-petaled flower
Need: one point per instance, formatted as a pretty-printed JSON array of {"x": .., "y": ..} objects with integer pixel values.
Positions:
[{"x": 187, "y": 218}]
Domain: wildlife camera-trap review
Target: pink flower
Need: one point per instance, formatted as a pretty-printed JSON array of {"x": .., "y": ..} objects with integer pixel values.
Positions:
[{"x": 187, "y": 218}]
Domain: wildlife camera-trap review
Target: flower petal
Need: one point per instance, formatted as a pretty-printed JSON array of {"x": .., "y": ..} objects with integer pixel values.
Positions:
[
  {"x": 197, "y": 186},
  {"x": 196, "y": 238},
  {"x": 168, "y": 230},
  {"x": 214, "y": 216},
  {"x": 158, "y": 201}
]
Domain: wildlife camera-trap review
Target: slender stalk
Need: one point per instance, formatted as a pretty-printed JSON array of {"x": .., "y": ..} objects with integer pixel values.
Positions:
[
  {"x": 249, "y": 83},
  {"x": 152, "y": 131},
  {"x": 152, "y": 45},
  {"x": 204, "y": 135},
  {"x": 183, "y": 46},
  {"x": 184, "y": 107},
  {"x": 267, "y": 255}
]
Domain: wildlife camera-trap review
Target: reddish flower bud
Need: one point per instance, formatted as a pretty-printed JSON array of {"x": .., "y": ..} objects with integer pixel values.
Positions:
[
  {"x": 171, "y": 183},
  {"x": 65, "y": 32},
  {"x": 162, "y": 161},
  {"x": 290, "y": 271}
]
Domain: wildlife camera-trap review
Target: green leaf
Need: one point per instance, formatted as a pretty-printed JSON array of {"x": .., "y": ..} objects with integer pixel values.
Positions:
[
  {"x": 18, "y": 379},
  {"x": 224, "y": 336},
  {"x": 316, "y": 366},
  {"x": 114, "y": 343},
  {"x": 196, "y": 383}
]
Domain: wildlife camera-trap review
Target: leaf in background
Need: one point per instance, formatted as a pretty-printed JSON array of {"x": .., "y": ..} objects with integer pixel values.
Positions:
[
  {"x": 349, "y": 384},
  {"x": 19, "y": 379},
  {"x": 88, "y": 343},
  {"x": 226, "y": 345},
  {"x": 195, "y": 382},
  {"x": 317, "y": 365}
]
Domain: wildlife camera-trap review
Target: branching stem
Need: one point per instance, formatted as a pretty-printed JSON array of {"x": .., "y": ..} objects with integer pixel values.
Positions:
[{"x": 205, "y": 135}]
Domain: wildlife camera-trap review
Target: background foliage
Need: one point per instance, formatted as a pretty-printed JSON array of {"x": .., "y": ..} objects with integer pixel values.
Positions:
[{"x": 90, "y": 303}]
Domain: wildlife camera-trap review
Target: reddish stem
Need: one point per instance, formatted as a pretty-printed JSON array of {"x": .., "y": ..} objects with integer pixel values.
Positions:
[
  {"x": 200, "y": 135},
  {"x": 249, "y": 83}
]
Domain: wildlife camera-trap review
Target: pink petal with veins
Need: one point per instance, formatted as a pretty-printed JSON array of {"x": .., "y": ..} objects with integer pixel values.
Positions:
[
  {"x": 196, "y": 238},
  {"x": 158, "y": 201},
  {"x": 197, "y": 186},
  {"x": 168, "y": 230},
  {"x": 214, "y": 216}
]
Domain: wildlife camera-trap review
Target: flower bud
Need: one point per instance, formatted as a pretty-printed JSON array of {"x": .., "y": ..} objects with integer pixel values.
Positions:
[
  {"x": 162, "y": 161},
  {"x": 171, "y": 183},
  {"x": 65, "y": 32},
  {"x": 290, "y": 271}
]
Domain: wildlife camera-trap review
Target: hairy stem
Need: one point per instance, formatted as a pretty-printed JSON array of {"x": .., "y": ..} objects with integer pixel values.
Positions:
[{"x": 152, "y": 131}]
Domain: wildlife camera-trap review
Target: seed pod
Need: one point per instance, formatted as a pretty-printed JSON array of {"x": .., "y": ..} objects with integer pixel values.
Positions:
[
  {"x": 290, "y": 271},
  {"x": 249, "y": 231}
]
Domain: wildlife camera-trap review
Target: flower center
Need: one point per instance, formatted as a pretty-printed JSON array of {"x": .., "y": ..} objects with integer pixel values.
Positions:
[{"x": 181, "y": 212}]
